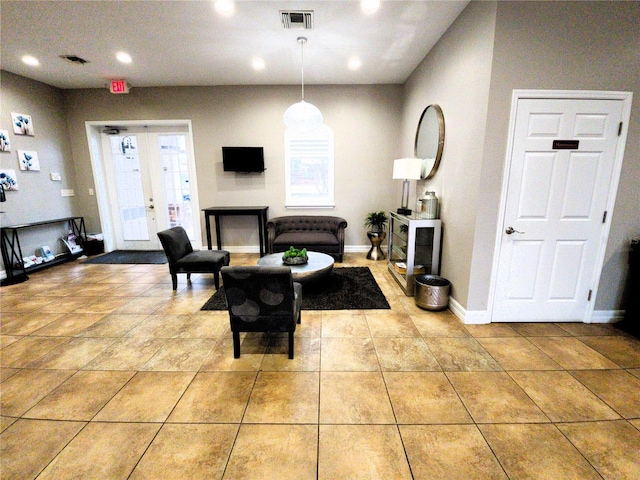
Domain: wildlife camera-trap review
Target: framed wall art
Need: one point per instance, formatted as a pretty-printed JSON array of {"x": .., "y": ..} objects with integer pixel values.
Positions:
[
  {"x": 22, "y": 124},
  {"x": 28, "y": 160},
  {"x": 5, "y": 146},
  {"x": 8, "y": 180}
]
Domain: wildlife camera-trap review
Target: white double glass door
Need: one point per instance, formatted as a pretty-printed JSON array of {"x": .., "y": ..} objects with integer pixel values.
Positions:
[{"x": 148, "y": 180}]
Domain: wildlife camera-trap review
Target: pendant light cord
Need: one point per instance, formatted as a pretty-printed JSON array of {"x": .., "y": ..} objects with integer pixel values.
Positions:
[{"x": 302, "y": 41}]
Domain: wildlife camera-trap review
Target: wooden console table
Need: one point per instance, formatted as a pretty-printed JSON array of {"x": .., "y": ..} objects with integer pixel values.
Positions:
[
  {"x": 217, "y": 212},
  {"x": 12, "y": 251}
]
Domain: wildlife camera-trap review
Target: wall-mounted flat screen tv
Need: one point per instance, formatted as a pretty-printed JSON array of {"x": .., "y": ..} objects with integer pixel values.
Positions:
[{"x": 243, "y": 159}]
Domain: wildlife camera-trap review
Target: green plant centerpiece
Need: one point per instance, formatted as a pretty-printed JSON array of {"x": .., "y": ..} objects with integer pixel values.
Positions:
[{"x": 295, "y": 256}]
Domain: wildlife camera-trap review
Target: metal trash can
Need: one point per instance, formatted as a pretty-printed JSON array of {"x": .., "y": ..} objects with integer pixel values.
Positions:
[{"x": 432, "y": 292}]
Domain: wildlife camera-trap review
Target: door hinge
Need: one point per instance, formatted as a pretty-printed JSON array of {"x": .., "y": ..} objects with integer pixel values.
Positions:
[
  {"x": 604, "y": 216},
  {"x": 620, "y": 129},
  {"x": 589, "y": 296}
]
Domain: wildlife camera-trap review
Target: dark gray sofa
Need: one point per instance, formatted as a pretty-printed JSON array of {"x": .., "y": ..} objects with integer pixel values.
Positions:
[{"x": 318, "y": 233}]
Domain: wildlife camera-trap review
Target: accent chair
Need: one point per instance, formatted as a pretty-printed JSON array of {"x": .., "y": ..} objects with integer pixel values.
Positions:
[
  {"x": 183, "y": 259},
  {"x": 261, "y": 299}
]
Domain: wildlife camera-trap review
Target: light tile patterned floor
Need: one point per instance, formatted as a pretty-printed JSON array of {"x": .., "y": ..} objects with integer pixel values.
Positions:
[{"x": 108, "y": 374}]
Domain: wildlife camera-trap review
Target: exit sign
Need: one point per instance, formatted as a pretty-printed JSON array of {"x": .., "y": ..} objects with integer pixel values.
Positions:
[{"x": 119, "y": 86}]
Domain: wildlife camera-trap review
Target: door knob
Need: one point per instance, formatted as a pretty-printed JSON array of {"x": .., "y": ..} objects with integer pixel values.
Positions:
[
  {"x": 511, "y": 230},
  {"x": 150, "y": 207}
]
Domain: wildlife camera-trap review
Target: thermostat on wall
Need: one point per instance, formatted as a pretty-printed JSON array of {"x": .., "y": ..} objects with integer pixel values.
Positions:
[{"x": 56, "y": 177}]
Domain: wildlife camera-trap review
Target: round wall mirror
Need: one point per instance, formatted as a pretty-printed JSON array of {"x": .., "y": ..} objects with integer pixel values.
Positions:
[{"x": 430, "y": 140}]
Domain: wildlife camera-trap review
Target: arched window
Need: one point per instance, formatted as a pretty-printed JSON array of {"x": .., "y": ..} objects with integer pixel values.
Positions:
[{"x": 309, "y": 168}]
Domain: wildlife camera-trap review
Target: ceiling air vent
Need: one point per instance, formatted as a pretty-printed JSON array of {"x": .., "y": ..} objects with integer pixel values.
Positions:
[
  {"x": 74, "y": 59},
  {"x": 299, "y": 19}
]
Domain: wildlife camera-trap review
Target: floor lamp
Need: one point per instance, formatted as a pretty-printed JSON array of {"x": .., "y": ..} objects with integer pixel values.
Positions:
[{"x": 406, "y": 169}]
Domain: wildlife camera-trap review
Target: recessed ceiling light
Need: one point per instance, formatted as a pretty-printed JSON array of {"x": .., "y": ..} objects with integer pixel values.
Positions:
[
  {"x": 123, "y": 57},
  {"x": 370, "y": 6},
  {"x": 224, "y": 7},
  {"x": 258, "y": 64},
  {"x": 31, "y": 61},
  {"x": 354, "y": 63}
]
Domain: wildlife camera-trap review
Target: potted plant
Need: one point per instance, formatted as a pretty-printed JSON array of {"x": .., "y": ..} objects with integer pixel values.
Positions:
[
  {"x": 377, "y": 221},
  {"x": 295, "y": 256}
]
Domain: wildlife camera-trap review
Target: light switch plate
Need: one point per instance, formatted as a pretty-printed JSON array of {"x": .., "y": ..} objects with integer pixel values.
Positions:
[{"x": 67, "y": 192}]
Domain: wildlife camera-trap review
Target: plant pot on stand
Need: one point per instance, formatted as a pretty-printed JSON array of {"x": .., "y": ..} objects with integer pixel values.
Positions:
[
  {"x": 376, "y": 239},
  {"x": 376, "y": 221}
]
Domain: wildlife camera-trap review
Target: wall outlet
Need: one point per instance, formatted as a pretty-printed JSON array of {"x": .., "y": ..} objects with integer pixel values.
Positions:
[
  {"x": 56, "y": 177},
  {"x": 67, "y": 192},
  {"x": 91, "y": 191}
]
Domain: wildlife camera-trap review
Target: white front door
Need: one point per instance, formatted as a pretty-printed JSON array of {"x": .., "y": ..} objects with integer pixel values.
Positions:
[
  {"x": 562, "y": 160},
  {"x": 147, "y": 173}
]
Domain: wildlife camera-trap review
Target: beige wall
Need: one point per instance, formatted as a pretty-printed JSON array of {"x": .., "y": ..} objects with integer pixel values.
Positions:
[
  {"x": 565, "y": 46},
  {"x": 456, "y": 76},
  {"x": 492, "y": 49},
  {"x": 38, "y": 197},
  {"x": 365, "y": 120}
]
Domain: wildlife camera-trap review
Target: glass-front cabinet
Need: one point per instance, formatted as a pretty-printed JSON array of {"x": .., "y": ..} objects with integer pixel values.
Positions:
[{"x": 414, "y": 248}]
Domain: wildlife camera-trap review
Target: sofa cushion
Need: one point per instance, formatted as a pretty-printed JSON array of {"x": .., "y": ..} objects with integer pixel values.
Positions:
[{"x": 306, "y": 239}]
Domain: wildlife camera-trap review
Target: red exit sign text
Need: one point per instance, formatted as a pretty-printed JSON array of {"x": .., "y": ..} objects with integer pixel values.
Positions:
[{"x": 119, "y": 86}]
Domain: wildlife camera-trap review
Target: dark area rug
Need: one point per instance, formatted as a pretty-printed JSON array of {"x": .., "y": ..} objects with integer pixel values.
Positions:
[
  {"x": 130, "y": 256},
  {"x": 347, "y": 289}
]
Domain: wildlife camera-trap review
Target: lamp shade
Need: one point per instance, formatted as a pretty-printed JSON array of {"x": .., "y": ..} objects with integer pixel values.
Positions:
[
  {"x": 303, "y": 117},
  {"x": 407, "y": 168}
]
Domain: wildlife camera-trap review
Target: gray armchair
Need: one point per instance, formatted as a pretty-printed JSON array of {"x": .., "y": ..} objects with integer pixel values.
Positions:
[
  {"x": 261, "y": 299},
  {"x": 183, "y": 259}
]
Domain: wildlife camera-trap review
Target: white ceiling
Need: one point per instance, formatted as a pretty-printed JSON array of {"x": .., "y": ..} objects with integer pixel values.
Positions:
[{"x": 188, "y": 43}]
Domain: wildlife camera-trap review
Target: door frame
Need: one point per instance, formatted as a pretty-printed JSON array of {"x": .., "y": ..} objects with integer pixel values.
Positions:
[
  {"x": 94, "y": 135},
  {"x": 626, "y": 98}
]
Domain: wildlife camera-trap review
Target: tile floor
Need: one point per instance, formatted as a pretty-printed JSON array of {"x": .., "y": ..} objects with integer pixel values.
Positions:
[{"x": 108, "y": 374}]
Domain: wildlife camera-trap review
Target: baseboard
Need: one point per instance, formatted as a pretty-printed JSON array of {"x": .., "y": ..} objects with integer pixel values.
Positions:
[
  {"x": 361, "y": 248},
  {"x": 456, "y": 309},
  {"x": 479, "y": 317},
  {"x": 256, "y": 249},
  {"x": 238, "y": 248},
  {"x": 468, "y": 317}
]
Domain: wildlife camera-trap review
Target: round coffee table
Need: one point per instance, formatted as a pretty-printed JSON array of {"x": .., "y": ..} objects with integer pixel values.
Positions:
[{"x": 318, "y": 267}]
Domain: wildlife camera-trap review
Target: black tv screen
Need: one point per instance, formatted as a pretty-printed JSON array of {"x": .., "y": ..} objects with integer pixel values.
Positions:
[{"x": 243, "y": 159}]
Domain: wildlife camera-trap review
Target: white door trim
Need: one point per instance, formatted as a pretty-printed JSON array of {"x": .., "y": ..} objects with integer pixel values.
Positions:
[
  {"x": 626, "y": 98},
  {"x": 93, "y": 129}
]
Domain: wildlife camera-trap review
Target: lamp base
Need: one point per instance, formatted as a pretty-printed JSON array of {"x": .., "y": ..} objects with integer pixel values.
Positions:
[{"x": 404, "y": 211}]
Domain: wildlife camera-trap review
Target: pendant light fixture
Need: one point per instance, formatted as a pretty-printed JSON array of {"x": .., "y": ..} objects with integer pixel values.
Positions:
[{"x": 302, "y": 116}]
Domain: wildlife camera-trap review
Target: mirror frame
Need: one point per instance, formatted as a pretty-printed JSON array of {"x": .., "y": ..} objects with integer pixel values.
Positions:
[{"x": 440, "y": 139}]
